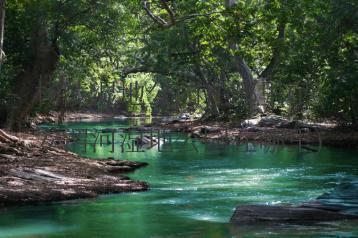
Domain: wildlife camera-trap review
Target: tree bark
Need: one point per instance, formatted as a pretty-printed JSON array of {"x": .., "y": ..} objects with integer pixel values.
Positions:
[
  {"x": 269, "y": 71},
  {"x": 38, "y": 71},
  {"x": 255, "y": 88},
  {"x": 2, "y": 30},
  {"x": 244, "y": 70}
]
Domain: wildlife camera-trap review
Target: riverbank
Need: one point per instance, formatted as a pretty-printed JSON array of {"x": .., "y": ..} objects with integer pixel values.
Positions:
[
  {"x": 268, "y": 130},
  {"x": 55, "y": 117},
  {"x": 33, "y": 170}
]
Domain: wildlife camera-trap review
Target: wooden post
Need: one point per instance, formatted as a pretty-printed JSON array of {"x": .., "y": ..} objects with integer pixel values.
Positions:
[
  {"x": 112, "y": 141},
  {"x": 299, "y": 140},
  {"x": 85, "y": 143}
]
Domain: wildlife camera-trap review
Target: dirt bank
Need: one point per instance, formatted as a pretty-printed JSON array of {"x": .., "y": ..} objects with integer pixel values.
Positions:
[{"x": 32, "y": 171}]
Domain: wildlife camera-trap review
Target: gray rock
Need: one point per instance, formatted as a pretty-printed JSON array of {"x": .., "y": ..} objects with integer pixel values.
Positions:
[
  {"x": 340, "y": 203},
  {"x": 271, "y": 121},
  {"x": 209, "y": 129},
  {"x": 264, "y": 213}
]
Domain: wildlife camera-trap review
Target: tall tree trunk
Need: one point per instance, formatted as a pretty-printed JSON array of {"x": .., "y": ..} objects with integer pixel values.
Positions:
[
  {"x": 38, "y": 71},
  {"x": 212, "y": 103},
  {"x": 269, "y": 71},
  {"x": 2, "y": 30},
  {"x": 244, "y": 70},
  {"x": 255, "y": 88}
]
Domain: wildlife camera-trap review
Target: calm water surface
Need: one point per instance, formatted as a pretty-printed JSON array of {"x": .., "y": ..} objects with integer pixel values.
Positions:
[{"x": 194, "y": 189}]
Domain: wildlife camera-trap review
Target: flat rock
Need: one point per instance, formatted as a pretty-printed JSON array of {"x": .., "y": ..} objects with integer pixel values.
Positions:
[
  {"x": 265, "y": 213},
  {"x": 337, "y": 204}
]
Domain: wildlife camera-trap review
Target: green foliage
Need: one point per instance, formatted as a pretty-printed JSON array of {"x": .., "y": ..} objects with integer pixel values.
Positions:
[{"x": 188, "y": 67}]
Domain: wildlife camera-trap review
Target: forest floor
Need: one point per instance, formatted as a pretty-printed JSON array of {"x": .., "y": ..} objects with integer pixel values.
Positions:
[
  {"x": 32, "y": 170},
  {"x": 269, "y": 130}
]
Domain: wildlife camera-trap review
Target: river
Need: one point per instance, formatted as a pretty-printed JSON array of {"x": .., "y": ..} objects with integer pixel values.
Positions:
[{"x": 195, "y": 187}]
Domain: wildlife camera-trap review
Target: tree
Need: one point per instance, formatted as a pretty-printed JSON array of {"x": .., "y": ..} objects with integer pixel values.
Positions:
[
  {"x": 45, "y": 25},
  {"x": 2, "y": 30}
]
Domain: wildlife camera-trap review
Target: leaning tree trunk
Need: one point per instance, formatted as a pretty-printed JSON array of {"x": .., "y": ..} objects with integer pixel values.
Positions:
[
  {"x": 37, "y": 74},
  {"x": 2, "y": 30}
]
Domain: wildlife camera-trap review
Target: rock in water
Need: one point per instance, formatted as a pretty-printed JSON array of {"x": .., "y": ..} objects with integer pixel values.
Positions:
[
  {"x": 344, "y": 197},
  {"x": 340, "y": 203},
  {"x": 264, "y": 213}
]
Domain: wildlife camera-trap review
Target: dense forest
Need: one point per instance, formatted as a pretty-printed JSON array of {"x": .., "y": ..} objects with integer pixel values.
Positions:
[{"x": 222, "y": 59}]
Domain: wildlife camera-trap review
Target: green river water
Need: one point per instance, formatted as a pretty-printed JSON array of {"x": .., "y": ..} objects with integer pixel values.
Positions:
[{"x": 194, "y": 190}]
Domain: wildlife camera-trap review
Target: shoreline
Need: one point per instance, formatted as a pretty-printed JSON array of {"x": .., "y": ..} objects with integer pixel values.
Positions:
[
  {"x": 33, "y": 171},
  {"x": 278, "y": 131},
  {"x": 231, "y": 133}
]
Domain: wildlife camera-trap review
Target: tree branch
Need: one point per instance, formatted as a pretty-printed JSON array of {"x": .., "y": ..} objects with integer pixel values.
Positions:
[
  {"x": 155, "y": 18},
  {"x": 173, "y": 20},
  {"x": 169, "y": 10}
]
